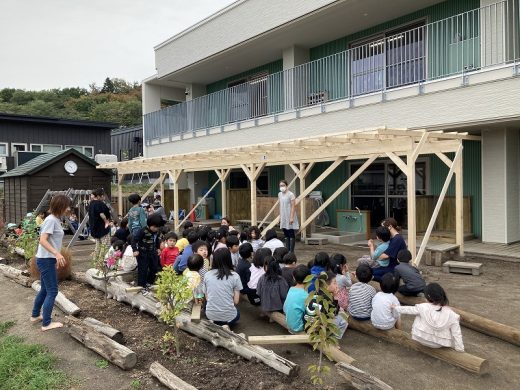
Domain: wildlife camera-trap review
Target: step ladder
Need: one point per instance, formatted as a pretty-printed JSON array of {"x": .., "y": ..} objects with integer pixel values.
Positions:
[{"x": 140, "y": 177}]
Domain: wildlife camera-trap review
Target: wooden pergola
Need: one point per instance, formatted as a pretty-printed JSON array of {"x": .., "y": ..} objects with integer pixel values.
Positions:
[{"x": 402, "y": 146}]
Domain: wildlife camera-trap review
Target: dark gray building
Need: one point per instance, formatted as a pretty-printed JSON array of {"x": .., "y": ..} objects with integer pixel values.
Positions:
[
  {"x": 127, "y": 142},
  {"x": 43, "y": 134}
]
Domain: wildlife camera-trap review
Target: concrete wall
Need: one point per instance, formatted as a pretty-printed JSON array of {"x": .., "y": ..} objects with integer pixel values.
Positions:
[
  {"x": 233, "y": 25},
  {"x": 500, "y": 185}
]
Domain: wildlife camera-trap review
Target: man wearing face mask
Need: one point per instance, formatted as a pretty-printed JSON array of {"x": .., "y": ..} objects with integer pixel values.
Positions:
[{"x": 288, "y": 219}]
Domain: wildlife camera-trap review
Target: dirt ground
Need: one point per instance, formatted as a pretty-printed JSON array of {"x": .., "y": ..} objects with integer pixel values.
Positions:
[{"x": 494, "y": 295}]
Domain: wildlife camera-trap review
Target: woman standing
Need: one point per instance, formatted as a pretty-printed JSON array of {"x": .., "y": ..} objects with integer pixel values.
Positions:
[
  {"x": 288, "y": 218},
  {"x": 48, "y": 258}
]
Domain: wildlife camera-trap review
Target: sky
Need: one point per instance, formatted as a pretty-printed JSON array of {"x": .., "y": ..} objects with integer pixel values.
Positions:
[{"x": 48, "y": 44}]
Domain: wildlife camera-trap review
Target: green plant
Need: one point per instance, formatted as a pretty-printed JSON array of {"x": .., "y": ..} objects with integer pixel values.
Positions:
[
  {"x": 168, "y": 344},
  {"x": 27, "y": 366},
  {"x": 174, "y": 293},
  {"x": 106, "y": 261},
  {"x": 28, "y": 240},
  {"x": 102, "y": 363},
  {"x": 135, "y": 384},
  {"x": 321, "y": 327}
]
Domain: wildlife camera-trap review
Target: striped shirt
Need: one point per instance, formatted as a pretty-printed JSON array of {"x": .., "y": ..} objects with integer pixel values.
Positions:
[{"x": 360, "y": 300}]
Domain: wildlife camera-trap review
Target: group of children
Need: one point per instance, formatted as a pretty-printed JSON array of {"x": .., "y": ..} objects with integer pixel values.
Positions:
[{"x": 221, "y": 265}]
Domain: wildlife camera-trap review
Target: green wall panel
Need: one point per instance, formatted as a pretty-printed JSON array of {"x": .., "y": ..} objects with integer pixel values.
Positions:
[
  {"x": 276, "y": 173},
  {"x": 330, "y": 185},
  {"x": 212, "y": 178},
  {"x": 270, "y": 68},
  {"x": 472, "y": 178}
]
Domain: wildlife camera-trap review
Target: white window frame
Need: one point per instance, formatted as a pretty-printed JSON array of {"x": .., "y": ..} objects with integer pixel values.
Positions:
[
  {"x": 44, "y": 145},
  {"x": 38, "y": 151},
  {"x": 6, "y": 149},
  {"x": 13, "y": 144},
  {"x": 91, "y": 148},
  {"x": 82, "y": 148}
]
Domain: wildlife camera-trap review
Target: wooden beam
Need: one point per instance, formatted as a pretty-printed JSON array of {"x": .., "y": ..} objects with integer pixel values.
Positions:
[
  {"x": 303, "y": 171},
  {"x": 154, "y": 184},
  {"x": 223, "y": 174},
  {"x": 463, "y": 360},
  {"x": 195, "y": 312},
  {"x": 342, "y": 188},
  {"x": 199, "y": 202},
  {"x": 419, "y": 146},
  {"x": 411, "y": 205},
  {"x": 459, "y": 204},
  {"x": 360, "y": 379},
  {"x": 445, "y": 159},
  {"x": 437, "y": 207},
  {"x": 174, "y": 177},
  {"x": 253, "y": 171},
  {"x": 398, "y": 161},
  {"x": 168, "y": 379},
  {"x": 278, "y": 339}
]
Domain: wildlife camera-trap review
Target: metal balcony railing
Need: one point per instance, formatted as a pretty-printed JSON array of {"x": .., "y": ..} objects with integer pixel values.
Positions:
[{"x": 473, "y": 40}]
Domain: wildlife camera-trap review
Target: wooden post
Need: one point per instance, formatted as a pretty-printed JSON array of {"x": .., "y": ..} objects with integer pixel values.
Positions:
[
  {"x": 161, "y": 190},
  {"x": 174, "y": 177},
  {"x": 168, "y": 379},
  {"x": 459, "y": 201},
  {"x": 119, "y": 194},
  {"x": 253, "y": 171},
  {"x": 223, "y": 174},
  {"x": 437, "y": 207},
  {"x": 411, "y": 203},
  {"x": 302, "y": 203}
]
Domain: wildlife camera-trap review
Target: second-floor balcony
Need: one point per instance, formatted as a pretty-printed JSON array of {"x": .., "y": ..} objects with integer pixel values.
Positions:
[{"x": 459, "y": 45}]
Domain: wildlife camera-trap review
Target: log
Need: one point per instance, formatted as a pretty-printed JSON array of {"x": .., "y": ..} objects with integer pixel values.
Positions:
[
  {"x": 116, "y": 290},
  {"x": 474, "y": 321},
  {"x": 463, "y": 360},
  {"x": 334, "y": 353},
  {"x": 105, "y": 329},
  {"x": 278, "y": 339},
  {"x": 15, "y": 275},
  {"x": 61, "y": 301},
  {"x": 221, "y": 337},
  {"x": 114, "y": 352},
  {"x": 168, "y": 379},
  {"x": 79, "y": 277},
  {"x": 138, "y": 288},
  {"x": 360, "y": 379}
]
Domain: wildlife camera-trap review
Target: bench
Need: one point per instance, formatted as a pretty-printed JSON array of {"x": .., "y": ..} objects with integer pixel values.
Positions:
[
  {"x": 316, "y": 241},
  {"x": 438, "y": 251},
  {"x": 462, "y": 267}
]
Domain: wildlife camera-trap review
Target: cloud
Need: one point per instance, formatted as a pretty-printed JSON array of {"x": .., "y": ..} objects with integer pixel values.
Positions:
[{"x": 65, "y": 43}]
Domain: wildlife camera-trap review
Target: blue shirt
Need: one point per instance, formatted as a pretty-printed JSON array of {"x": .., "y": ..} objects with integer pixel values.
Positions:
[
  {"x": 182, "y": 261},
  {"x": 396, "y": 244},
  {"x": 381, "y": 248},
  {"x": 294, "y": 308}
]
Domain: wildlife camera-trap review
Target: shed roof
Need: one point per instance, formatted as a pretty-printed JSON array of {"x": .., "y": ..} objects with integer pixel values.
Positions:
[
  {"x": 57, "y": 121},
  {"x": 40, "y": 162}
]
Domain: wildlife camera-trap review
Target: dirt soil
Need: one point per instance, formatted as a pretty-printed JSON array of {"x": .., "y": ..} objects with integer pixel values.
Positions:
[{"x": 494, "y": 295}]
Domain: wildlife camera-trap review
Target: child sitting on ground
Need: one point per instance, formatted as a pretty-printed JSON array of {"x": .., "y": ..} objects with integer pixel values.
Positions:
[
  {"x": 279, "y": 254},
  {"x": 290, "y": 264},
  {"x": 232, "y": 244},
  {"x": 372, "y": 260},
  {"x": 294, "y": 305},
  {"x": 320, "y": 264},
  {"x": 338, "y": 265},
  {"x": 146, "y": 244},
  {"x": 254, "y": 237},
  {"x": 244, "y": 263},
  {"x": 413, "y": 281},
  {"x": 192, "y": 273},
  {"x": 383, "y": 316},
  {"x": 435, "y": 324},
  {"x": 122, "y": 232},
  {"x": 182, "y": 261},
  {"x": 170, "y": 252},
  {"x": 117, "y": 245},
  {"x": 361, "y": 294},
  {"x": 271, "y": 240},
  {"x": 312, "y": 307},
  {"x": 183, "y": 242},
  {"x": 257, "y": 270},
  {"x": 200, "y": 247},
  {"x": 272, "y": 287}
]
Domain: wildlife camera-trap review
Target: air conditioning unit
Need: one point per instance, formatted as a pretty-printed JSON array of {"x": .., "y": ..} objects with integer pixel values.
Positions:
[
  {"x": 3, "y": 164},
  {"x": 105, "y": 158}
]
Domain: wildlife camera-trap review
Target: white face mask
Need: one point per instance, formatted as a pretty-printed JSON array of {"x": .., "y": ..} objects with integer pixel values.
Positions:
[{"x": 283, "y": 188}]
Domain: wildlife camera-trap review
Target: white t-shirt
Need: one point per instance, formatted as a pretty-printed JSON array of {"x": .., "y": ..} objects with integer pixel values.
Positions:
[
  {"x": 51, "y": 226},
  {"x": 382, "y": 316}
]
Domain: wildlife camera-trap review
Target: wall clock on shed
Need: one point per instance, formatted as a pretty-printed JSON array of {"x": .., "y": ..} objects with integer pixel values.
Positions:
[{"x": 71, "y": 167}]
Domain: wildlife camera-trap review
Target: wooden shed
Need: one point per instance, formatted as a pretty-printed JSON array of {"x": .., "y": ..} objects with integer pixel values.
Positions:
[{"x": 25, "y": 185}]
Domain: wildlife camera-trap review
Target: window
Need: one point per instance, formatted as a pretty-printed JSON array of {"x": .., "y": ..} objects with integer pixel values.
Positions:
[
  {"x": 18, "y": 148},
  {"x": 3, "y": 149},
  {"x": 36, "y": 148},
  {"x": 125, "y": 155},
  {"x": 86, "y": 150},
  {"x": 51, "y": 148},
  {"x": 239, "y": 181}
]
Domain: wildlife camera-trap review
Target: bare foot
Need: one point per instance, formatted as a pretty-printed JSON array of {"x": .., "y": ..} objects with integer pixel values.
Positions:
[
  {"x": 36, "y": 319},
  {"x": 52, "y": 325}
]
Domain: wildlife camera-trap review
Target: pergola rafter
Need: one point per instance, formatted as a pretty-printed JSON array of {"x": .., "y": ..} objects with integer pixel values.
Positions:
[{"x": 402, "y": 146}]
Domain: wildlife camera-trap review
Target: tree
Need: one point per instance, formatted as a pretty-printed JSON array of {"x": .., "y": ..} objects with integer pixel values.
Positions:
[{"x": 108, "y": 86}]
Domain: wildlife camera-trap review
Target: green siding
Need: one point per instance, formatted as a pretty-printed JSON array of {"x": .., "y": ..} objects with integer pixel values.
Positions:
[
  {"x": 276, "y": 173},
  {"x": 330, "y": 185},
  {"x": 472, "y": 178},
  {"x": 441, "y": 53},
  {"x": 212, "y": 178},
  {"x": 270, "y": 68}
]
